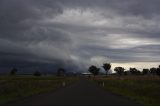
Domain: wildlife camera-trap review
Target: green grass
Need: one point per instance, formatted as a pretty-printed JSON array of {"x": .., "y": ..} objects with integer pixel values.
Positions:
[
  {"x": 145, "y": 90},
  {"x": 15, "y": 87}
]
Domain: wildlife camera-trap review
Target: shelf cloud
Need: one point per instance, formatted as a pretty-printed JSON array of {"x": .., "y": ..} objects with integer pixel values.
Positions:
[{"x": 49, "y": 34}]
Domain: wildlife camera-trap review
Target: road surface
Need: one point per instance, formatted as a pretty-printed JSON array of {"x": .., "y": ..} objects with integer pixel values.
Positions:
[{"x": 82, "y": 93}]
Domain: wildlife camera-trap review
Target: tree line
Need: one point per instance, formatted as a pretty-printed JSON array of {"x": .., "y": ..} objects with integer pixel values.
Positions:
[
  {"x": 60, "y": 72},
  {"x": 121, "y": 71},
  {"x": 107, "y": 66}
]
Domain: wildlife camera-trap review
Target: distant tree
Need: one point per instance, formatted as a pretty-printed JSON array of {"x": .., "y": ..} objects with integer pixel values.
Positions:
[
  {"x": 37, "y": 73},
  {"x": 94, "y": 70},
  {"x": 145, "y": 71},
  {"x": 107, "y": 67},
  {"x": 138, "y": 72},
  {"x": 158, "y": 70},
  {"x": 13, "y": 71},
  {"x": 134, "y": 71},
  {"x": 119, "y": 70},
  {"x": 153, "y": 71},
  {"x": 61, "y": 72},
  {"x": 125, "y": 73}
]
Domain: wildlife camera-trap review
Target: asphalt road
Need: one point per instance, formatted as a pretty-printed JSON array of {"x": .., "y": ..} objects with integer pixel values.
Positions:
[{"x": 82, "y": 93}]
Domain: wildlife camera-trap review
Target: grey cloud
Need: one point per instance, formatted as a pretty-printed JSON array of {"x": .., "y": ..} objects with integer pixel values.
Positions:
[
  {"x": 146, "y": 8},
  {"x": 22, "y": 37},
  {"x": 29, "y": 38},
  {"x": 148, "y": 53}
]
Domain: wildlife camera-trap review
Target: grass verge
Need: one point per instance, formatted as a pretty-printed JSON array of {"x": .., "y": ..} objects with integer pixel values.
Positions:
[
  {"x": 15, "y": 87},
  {"x": 143, "y": 89}
]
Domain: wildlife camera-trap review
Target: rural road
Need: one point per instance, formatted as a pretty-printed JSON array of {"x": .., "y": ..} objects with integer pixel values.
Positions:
[{"x": 81, "y": 93}]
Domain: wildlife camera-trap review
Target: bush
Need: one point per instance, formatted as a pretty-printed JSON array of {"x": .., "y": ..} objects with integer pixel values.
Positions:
[
  {"x": 37, "y": 73},
  {"x": 13, "y": 71}
]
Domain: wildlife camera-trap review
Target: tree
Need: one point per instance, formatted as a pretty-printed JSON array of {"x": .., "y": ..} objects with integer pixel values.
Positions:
[
  {"x": 61, "y": 72},
  {"x": 119, "y": 70},
  {"x": 153, "y": 71},
  {"x": 134, "y": 71},
  {"x": 158, "y": 70},
  {"x": 145, "y": 71},
  {"x": 107, "y": 67},
  {"x": 94, "y": 70},
  {"x": 37, "y": 73},
  {"x": 13, "y": 71}
]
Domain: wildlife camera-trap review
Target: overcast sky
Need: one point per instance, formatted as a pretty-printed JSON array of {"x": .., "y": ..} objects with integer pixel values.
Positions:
[{"x": 48, "y": 34}]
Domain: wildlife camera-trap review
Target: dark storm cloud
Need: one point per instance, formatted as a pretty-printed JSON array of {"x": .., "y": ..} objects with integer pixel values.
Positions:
[
  {"x": 26, "y": 43},
  {"x": 72, "y": 33}
]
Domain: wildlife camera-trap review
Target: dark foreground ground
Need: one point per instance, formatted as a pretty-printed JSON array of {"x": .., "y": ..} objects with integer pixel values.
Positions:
[{"x": 82, "y": 93}]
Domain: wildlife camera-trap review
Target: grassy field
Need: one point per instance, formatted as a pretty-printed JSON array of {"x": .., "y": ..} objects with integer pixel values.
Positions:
[
  {"x": 143, "y": 89},
  {"x": 15, "y": 87}
]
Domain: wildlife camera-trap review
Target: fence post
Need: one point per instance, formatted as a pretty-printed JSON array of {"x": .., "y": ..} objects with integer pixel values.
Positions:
[
  {"x": 103, "y": 84},
  {"x": 63, "y": 84}
]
